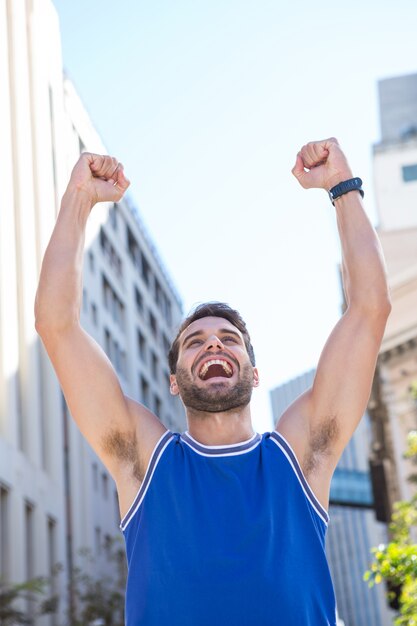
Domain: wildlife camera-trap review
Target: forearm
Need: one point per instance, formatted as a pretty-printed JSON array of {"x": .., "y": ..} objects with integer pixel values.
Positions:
[
  {"x": 364, "y": 273},
  {"x": 59, "y": 295}
]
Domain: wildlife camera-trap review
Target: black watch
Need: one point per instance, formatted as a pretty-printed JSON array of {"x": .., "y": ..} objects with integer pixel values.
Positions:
[{"x": 353, "y": 184}]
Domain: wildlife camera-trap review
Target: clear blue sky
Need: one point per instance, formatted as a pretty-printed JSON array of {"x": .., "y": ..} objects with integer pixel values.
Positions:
[{"x": 206, "y": 104}]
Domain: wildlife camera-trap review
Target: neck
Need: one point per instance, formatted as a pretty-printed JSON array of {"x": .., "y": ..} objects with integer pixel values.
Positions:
[{"x": 216, "y": 429}]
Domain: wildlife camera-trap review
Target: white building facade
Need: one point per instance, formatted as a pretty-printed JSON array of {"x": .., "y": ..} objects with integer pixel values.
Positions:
[
  {"x": 395, "y": 179},
  {"x": 55, "y": 495}
]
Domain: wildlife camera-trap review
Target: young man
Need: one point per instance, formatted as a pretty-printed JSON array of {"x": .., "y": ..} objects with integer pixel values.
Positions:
[{"x": 222, "y": 525}]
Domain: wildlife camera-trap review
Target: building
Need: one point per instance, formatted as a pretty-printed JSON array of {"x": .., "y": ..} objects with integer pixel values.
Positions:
[
  {"x": 392, "y": 407},
  {"x": 55, "y": 495},
  {"x": 353, "y": 529}
]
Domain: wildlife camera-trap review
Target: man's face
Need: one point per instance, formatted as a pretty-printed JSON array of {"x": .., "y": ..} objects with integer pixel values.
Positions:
[{"x": 214, "y": 372}]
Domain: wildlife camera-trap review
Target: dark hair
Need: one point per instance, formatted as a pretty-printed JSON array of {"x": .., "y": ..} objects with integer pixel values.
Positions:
[{"x": 210, "y": 309}]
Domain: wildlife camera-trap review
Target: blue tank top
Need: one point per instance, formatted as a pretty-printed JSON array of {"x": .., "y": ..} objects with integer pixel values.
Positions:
[{"x": 226, "y": 536}]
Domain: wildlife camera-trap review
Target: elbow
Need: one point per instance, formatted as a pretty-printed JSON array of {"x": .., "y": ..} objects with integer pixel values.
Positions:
[{"x": 374, "y": 306}]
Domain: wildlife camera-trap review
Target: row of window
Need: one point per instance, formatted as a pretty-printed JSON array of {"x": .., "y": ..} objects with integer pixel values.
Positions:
[
  {"x": 113, "y": 304},
  {"x": 151, "y": 401},
  {"x": 103, "y": 481},
  {"x": 145, "y": 271},
  {"x": 115, "y": 353},
  {"x": 152, "y": 321},
  {"x": 110, "y": 253},
  {"x": 29, "y": 538}
]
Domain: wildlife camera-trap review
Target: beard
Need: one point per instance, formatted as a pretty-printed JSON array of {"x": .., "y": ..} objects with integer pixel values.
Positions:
[{"x": 218, "y": 397}]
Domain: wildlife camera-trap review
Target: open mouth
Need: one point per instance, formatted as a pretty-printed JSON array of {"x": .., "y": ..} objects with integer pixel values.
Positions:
[{"x": 215, "y": 368}]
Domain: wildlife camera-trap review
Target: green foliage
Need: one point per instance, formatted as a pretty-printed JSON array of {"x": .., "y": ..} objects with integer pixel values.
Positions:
[
  {"x": 31, "y": 593},
  {"x": 99, "y": 599},
  {"x": 91, "y": 600},
  {"x": 396, "y": 562}
]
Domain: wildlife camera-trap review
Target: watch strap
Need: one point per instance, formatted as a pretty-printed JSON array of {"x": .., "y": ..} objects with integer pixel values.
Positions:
[{"x": 353, "y": 184}]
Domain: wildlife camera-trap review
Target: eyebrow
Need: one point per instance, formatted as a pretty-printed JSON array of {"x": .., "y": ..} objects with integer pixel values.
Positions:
[{"x": 223, "y": 331}]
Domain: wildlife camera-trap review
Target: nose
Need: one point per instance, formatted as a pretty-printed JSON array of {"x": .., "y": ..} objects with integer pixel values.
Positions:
[{"x": 213, "y": 343}]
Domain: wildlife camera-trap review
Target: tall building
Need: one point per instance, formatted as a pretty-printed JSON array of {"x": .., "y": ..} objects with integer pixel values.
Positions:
[
  {"x": 353, "y": 529},
  {"x": 55, "y": 495},
  {"x": 392, "y": 407}
]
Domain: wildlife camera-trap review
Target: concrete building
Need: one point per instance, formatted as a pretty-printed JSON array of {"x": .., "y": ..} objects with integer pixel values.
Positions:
[
  {"x": 55, "y": 495},
  {"x": 392, "y": 407},
  {"x": 353, "y": 529}
]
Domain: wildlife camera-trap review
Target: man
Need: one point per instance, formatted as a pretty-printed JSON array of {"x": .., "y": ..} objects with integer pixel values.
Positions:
[{"x": 222, "y": 525}]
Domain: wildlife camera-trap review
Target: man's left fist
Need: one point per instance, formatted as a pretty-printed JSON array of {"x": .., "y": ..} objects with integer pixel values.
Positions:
[{"x": 325, "y": 163}]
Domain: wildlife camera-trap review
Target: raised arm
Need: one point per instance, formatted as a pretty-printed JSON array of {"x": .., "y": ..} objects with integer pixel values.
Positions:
[
  {"x": 320, "y": 423},
  {"x": 121, "y": 431}
]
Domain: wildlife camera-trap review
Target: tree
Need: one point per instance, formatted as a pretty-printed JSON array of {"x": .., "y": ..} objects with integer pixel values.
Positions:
[
  {"x": 396, "y": 562},
  {"x": 92, "y": 601},
  {"x": 98, "y": 600},
  {"x": 14, "y": 596}
]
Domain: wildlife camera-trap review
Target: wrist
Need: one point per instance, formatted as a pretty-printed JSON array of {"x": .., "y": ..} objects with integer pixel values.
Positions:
[
  {"x": 338, "y": 178},
  {"x": 78, "y": 197}
]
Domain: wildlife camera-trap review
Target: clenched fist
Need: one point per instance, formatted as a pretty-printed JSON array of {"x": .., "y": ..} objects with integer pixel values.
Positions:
[
  {"x": 325, "y": 163},
  {"x": 100, "y": 178}
]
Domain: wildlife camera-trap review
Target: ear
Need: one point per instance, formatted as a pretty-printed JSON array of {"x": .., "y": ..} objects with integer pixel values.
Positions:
[
  {"x": 173, "y": 387},
  {"x": 255, "y": 377}
]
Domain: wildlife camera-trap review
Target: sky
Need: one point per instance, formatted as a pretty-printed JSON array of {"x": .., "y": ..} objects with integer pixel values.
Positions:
[{"x": 206, "y": 103}]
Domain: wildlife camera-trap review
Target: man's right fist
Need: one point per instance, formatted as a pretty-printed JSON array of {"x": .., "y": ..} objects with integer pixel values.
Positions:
[{"x": 100, "y": 178}]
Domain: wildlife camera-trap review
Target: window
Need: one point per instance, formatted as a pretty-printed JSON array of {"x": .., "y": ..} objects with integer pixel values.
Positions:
[
  {"x": 91, "y": 261},
  {"x": 133, "y": 248},
  {"x": 113, "y": 216},
  {"x": 167, "y": 384},
  {"x": 146, "y": 270},
  {"x": 138, "y": 300},
  {"x": 97, "y": 534},
  {"x": 166, "y": 344},
  {"x": 113, "y": 304},
  {"x": 116, "y": 506},
  {"x": 29, "y": 541},
  {"x": 85, "y": 300},
  {"x": 95, "y": 476},
  {"x": 107, "y": 343},
  {"x": 409, "y": 173},
  {"x": 168, "y": 312},
  {"x": 154, "y": 366},
  {"x": 116, "y": 355},
  {"x": 142, "y": 346},
  {"x": 105, "y": 485},
  {"x": 52, "y": 560},
  {"x": 4, "y": 533},
  {"x": 110, "y": 253},
  {"x": 144, "y": 390},
  {"x": 108, "y": 543},
  {"x": 153, "y": 324},
  {"x": 158, "y": 294},
  {"x": 157, "y": 406},
  {"x": 94, "y": 314}
]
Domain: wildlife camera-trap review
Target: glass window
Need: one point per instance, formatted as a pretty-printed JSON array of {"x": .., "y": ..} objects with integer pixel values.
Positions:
[
  {"x": 154, "y": 366},
  {"x": 144, "y": 389},
  {"x": 105, "y": 485},
  {"x": 4, "y": 533},
  {"x": 91, "y": 261},
  {"x": 409, "y": 173},
  {"x": 138, "y": 300},
  {"x": 29, "y": 541},
  {"x": 142, "y": 346}
]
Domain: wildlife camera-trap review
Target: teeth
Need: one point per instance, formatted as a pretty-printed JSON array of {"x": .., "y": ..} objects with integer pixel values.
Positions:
[{"x": 224, "y": 365}]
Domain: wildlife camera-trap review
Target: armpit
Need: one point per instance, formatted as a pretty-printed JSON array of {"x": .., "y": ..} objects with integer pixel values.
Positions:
[
  {"x": 124, "y": 447},
  {"x": 320, "y": 445}
]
